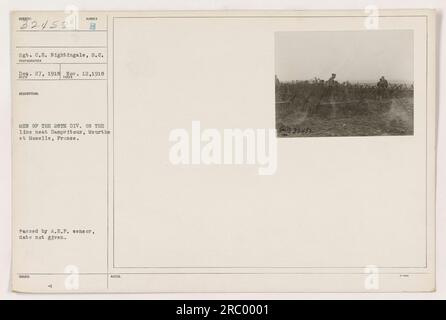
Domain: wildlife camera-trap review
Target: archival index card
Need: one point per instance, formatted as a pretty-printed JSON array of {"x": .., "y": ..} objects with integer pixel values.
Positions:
[{"x": 247, "y": 151}]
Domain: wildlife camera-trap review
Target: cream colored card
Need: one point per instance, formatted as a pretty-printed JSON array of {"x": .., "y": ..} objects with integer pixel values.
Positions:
[{"x": 241, "y": 151}]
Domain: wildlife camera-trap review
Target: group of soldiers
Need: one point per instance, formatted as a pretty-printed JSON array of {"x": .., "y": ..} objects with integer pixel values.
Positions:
[
  {"x": 330, "y": 92},
  {"x": 381, "y": 86}
]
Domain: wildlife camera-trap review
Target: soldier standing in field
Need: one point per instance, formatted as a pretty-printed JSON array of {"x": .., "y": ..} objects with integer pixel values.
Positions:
[
  {"x": 331, "y": 84},
  {"x": 382, "y": 86}
]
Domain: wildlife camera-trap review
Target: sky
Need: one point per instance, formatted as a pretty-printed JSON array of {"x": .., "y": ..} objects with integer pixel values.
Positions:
[{"x": 355, "y": 56}]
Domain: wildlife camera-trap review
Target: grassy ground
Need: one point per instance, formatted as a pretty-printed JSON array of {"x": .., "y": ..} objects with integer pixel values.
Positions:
[{"x": 317, "y": 117}]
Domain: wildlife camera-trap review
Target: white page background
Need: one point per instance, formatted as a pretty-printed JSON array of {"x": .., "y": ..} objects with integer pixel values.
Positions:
[{"x": 5, "y": 131}]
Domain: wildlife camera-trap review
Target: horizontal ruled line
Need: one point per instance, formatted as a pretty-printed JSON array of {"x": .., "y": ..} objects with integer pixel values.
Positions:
[
  {"x": 61, "y": 63},
  {"x": 61, "y": 30},
  {"x": 59, "y": 79},
  {"x": 60, "y": 47}
]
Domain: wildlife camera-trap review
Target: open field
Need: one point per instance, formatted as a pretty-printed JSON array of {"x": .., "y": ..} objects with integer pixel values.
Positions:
[{"x": 311, "y": 109}]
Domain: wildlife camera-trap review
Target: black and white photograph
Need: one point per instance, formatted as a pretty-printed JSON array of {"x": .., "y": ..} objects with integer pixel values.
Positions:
[
  {"x": 344, "y": 83},
  {"x": 222, "y": 157}
]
